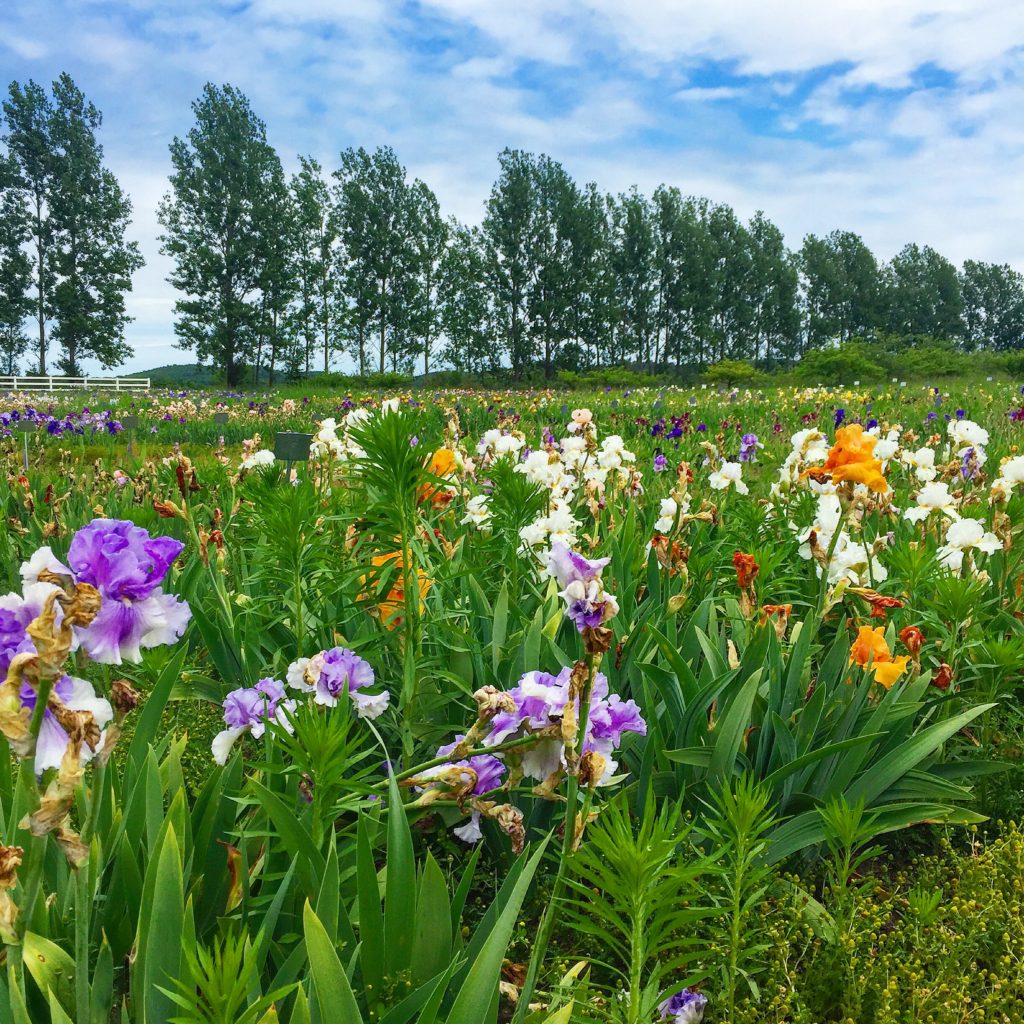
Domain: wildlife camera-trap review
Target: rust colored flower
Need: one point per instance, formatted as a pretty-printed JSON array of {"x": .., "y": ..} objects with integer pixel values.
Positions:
[
  {"x": 880, "y": 603},
  {"x": 913, "y": 639},
  {"x": 852, "y": 459},
  {"x": 942, "y": 677},
  {"x": 778, "y": 615},
  {"x": 746, "y": 569},
  {"x": 871, "y": 649}
]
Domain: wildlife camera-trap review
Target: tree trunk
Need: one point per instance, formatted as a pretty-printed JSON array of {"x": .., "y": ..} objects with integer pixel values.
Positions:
[{"x": 41, "y": 280}]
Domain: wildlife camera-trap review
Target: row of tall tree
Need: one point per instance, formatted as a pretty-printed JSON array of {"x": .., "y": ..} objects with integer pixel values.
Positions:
[
  {"x": 282, "y": 275},
  {"x": 65, "y": 264}
]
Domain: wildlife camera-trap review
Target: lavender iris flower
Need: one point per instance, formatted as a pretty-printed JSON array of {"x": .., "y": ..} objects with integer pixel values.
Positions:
[
  {"x": 127, "y": 567},
  {"x": 250, "y": 709},
  {"x": 540, "y": 699},
  {"x": 748, "y": 448},
  {"x": 686, "y": 1007},
  {"x": 660, "y": 463},
  {"x": 587, "y": 602},
  {"x": 329, "y": 674}
]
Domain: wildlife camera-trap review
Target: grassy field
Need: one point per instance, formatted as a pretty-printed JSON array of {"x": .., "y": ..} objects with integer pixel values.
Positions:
[{"x": 624, "y": 704}]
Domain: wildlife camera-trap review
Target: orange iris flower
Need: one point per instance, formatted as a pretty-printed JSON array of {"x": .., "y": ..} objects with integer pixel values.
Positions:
[
  {"x": 870, "y": 648},
  {"x": 852, "y": 458},
  {"x": 442, "y": 464},
  {"x": 392, "y": 607}
]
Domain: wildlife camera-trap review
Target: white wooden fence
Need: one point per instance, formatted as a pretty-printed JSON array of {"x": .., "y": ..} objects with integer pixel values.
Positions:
[{"x": 74, "y": 383}]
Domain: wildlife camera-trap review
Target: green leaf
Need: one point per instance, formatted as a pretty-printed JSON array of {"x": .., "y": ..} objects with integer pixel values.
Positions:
[
  {"x": 432, "y": 942},
  {"x": 908, "y": 755},
  {"x": 162, "y": 954},
  {"x": 399, "y": 886},
  {"x": 481, "y": 984},
  {"x": 51, "y": 968},
  {"x": 371, "y": 920},
  {"x": 729, "y": 731},
  {"x": 333, "y": 991}
]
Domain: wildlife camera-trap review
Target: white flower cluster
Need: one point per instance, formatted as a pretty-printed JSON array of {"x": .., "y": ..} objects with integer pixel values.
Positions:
[
  {"x": 965, "y": 435},
  {"x": 327, "y": 443},
  {"x": 257, "y": 459},
  {"x": 808, "y": 448},
  {"x": 560, "y": 467},
  {"x": 851, "y": 560},
  {"x": 962, "y": 536},
  {"x": 1011, "y": 473},
  {"x": 499, "y": 444},
  {"x": 933, "y": 497},
  {"x": 478, "y": 513}
]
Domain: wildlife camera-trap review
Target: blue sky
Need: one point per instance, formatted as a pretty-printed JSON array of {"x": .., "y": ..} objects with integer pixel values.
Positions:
[{"x": 899, "y": 119}]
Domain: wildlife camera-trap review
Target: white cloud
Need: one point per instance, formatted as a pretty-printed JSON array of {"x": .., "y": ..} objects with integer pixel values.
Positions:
[{"x": 707, "y": 94}]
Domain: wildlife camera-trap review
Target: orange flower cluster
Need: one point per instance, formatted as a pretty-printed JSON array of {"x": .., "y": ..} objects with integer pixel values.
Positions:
[
  {"x": 392, "y": 607},
  {"x": 870, "y": 648},
  {"x": 442, "y": 464},
  {"x": 852, "y": 458}
]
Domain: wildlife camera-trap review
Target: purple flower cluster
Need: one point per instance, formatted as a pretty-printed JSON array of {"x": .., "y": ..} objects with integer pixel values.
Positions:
[
  {"x": 329, "y": 674},
  {"x": 588, "y": 604},
  {"x": 748, "y": 447},
  {"x": 80, "y": 423},
  {"x": 127, "y": 567},
  {"x": 250, "y": 709},
  {"x": 686, "y": 1007},
  {"x": 540, "y": 699}
]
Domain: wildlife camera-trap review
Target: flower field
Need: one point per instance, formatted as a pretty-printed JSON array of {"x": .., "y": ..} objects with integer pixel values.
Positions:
[{"x": 461, "y": 707}]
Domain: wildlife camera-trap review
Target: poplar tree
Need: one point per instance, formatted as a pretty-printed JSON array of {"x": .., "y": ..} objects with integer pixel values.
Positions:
[
  {"x": 316, "y": 234},
  {"x": 993, "y": 298},
  {"x": 28, "y": 116},
  {"x": 15, "y": 268},
  {"x": 92, "y": 262},
  {"x": 222, "y": 171}
]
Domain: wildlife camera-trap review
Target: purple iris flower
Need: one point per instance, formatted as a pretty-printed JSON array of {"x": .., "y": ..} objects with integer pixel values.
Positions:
[
  {"x": 968, "y": 465},
  {"x": 748, "y": 448},
  {"x": 341, "y": 669},
  {"x": 686, "y": 1007},
  {"x": 568, "y": 566},
  {"x": 127, "y": 566},
  {"x": 251, "y": 709},
  {"x": 840, "y": 416},
  {"x": 660, "y": 463},
  {"x": 329, "y": 674}
]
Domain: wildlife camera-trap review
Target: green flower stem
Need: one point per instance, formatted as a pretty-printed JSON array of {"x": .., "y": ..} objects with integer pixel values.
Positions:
[
  {"x": 35, "y": 846},
  {"x": 547, "y": 923},
  {"x": 410, "y": 773},
  {"x": 83, "y": 900}
]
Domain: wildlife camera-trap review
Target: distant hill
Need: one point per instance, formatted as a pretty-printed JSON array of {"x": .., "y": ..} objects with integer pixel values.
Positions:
[{"x": 190, "y": 374}]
